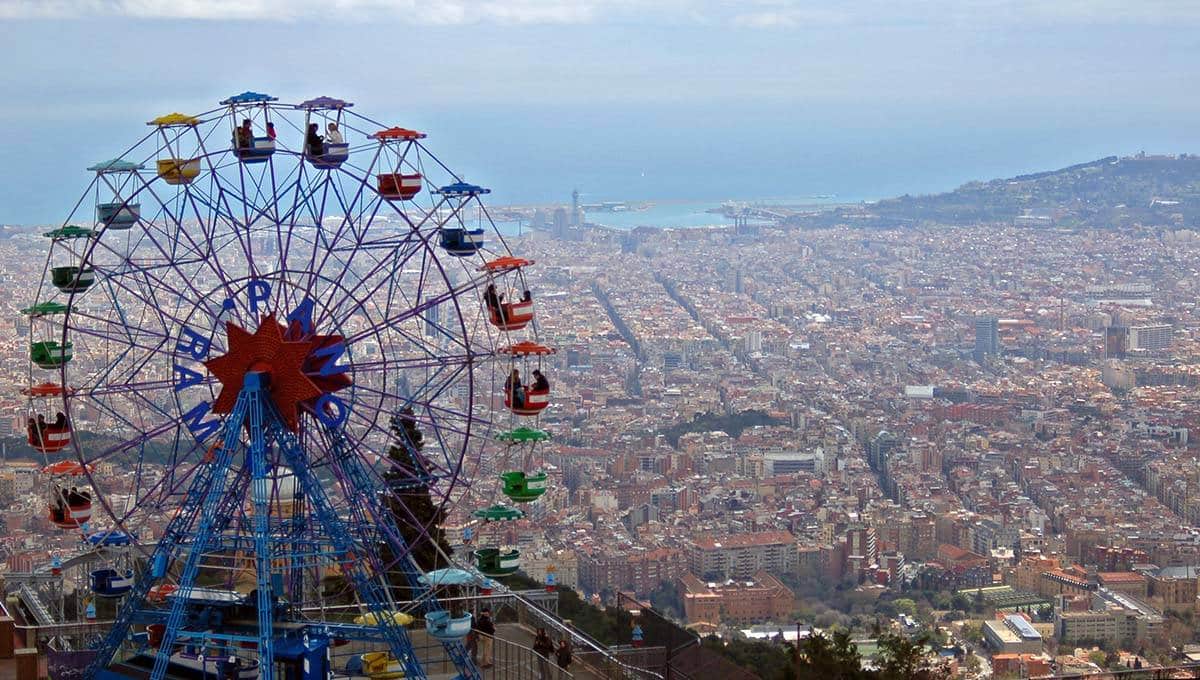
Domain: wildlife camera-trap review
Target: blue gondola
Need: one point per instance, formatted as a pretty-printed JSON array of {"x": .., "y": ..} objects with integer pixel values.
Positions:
[
  {"x": 248, "y": 98},
  {"x": 255, "y": 149},
  {"x": 111, "y": 538},
  {"x": 443, "y": 626},
  {"x": 260, "y": 150},
  {"x": 332, "y": 156},
  {"x": 462, "y": 189},
  {"x": 461, "y": 242},
  {"x": 111, "y": 583},
  {"x": 118, "y": 215}
]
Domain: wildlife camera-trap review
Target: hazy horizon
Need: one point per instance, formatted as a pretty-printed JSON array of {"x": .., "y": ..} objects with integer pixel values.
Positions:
[{"x": 626, "y": 101}]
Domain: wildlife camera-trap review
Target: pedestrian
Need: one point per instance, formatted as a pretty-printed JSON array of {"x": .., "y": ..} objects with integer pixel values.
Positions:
[
  {"x": 544, "y": 647},
  {"x": 486, "y": 631},
  {"x": 562, "y": 654}
]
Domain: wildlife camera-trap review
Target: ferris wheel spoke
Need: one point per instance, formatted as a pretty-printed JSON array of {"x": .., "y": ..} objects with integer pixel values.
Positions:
[
  {"x": 347, "y": 224},
  {"x": 157, "y": 494},
  {"x": 139, "y": 386},
  {"x": 142, "y": 438},
  {"x": 391, "y": 322},
  {"x": 385, "y": 365},
  {"x": 383, "y": 521},
  {"x": 167, "y": 319}
]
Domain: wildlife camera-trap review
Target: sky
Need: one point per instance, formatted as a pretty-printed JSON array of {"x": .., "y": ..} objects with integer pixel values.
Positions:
[{"x": 624, "y": 99}]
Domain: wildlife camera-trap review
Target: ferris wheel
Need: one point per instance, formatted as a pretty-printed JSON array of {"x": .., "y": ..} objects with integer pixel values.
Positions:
[{"x": 281, "y": 339}]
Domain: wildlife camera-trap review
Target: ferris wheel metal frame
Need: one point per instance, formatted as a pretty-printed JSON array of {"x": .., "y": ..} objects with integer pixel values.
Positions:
[{"x": 298, "y": 245}]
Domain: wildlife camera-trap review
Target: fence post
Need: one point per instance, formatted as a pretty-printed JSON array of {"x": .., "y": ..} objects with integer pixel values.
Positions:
[{"x": 7, "y": 640}]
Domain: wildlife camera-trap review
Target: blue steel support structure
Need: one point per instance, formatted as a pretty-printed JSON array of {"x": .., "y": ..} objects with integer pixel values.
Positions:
[
  {"x": 210, "y": 518},
  {"x": 209, "y": 507},
  {"x": 369, "y": 512},
  {"x": 204, "y": 492},
  {"x": 261, "y": 493}
]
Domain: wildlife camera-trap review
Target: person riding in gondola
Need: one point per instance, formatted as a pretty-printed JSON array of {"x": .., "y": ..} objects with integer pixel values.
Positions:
[
  {"x": 36, "y": 427},
  {"x": 58, "y": 505},
  {"x": 333, "y": 135},
  {"x": 515, "y": 390},
  {"x": 314, "y": 144},
  {"x": 77, "y": 497},
  {"x": 540, "y": 384},
  {"x": 493, "y": 301},
  {"x": 245, "y": 136}
]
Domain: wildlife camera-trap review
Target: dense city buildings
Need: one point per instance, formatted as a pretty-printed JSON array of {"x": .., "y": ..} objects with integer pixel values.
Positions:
[{"x": 994, "y": 424}]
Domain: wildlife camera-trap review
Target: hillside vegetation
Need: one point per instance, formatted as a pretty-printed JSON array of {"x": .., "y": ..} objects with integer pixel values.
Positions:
[{"x": 1112, "y": 192}]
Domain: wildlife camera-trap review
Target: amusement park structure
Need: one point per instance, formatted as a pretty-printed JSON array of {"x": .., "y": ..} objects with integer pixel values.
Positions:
[{"x": 274, "y": 346}]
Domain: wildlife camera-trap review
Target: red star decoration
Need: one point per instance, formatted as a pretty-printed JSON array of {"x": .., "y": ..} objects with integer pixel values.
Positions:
[{"x": 267, "y": 351}]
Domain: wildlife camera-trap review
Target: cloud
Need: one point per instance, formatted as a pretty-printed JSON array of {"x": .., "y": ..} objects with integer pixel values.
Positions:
[
  {"x": 425, "y": 12},
  {"x": 787, "y": 14},
  {"x": 759, "y": 14}
]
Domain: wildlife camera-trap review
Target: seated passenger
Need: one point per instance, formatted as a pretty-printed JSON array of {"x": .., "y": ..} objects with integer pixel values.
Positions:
[
  {"x": 60, "y": 421},
  {"x": 245, "y": 136},
  {"x": 540, "y": 384},
  {"x": 492, "y": 299},
  {"x": 514, "y": 390},
  {"x": 76, "y": 497},
  {"x": 314, "y": 144},
  {"x": 527, "y": 296},
  {"x": 271, "y": 131},
  {"x": 333, "y": 135}
]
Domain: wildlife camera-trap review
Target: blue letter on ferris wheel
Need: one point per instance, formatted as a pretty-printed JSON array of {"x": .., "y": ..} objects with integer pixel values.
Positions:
[
  {"x": 259, "y": 291},
  {"x": 201, "y": 429}
]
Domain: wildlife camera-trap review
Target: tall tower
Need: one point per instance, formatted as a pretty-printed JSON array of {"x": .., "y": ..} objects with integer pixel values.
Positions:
[
  {"x": 576, "y": 215},
  {"x": 987, "y": 337}
]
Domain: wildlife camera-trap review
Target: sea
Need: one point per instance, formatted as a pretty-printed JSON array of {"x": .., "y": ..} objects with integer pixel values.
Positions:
[{"x": 677, "y": 214}]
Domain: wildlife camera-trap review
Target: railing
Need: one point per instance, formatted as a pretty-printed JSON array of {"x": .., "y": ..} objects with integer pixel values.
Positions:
[
  {"x": 587, "y": 650},
  {"x": 30, "y": 597},
  {"x": 533, "y": 610},
  {"x": 1156, "y": 673},
  {"x": 510, "y": 660}
]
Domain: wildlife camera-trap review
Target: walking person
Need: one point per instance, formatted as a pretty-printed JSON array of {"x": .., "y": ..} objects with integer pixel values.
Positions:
[
  {"x": 544, "y": 647},
  {"x": 562, "y": 654},
  {"x": 485, "y": 630}
]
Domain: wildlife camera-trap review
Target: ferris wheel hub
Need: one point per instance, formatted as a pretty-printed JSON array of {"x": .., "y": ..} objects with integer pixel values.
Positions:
[{"x": 294, "y": 371}]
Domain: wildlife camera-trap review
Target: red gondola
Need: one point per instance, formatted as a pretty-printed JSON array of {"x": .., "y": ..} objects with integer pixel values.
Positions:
[
  {"x": 516, "y": 315},
  {"x": 49, "y": 437},
  {"x": 396, "y": 186}
]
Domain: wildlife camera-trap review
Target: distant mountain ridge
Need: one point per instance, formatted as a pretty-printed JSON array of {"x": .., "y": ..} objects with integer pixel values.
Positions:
[{"x": 1111, "y": 192}]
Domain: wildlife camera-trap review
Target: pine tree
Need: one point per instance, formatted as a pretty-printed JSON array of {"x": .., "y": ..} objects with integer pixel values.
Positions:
[{"x": 409, "y": 501}]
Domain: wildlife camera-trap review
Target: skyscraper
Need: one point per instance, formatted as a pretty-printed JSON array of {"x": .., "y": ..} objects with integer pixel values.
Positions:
[
  {"x": 561, "y": 223},
  {"x": 987, "y": 337}
]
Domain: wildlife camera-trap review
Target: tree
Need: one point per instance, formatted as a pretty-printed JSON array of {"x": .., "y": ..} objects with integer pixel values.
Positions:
[
  {"x": 906, "y": 606},
  {"x": 833, "y": 658},
  {"x": 905, "y": 659},
  {"x": 666, "y": 598},
  {"x": 972, "y": 665},
  {"x": 409, "y": 501},
  {"x": 960, "y": 601}
]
